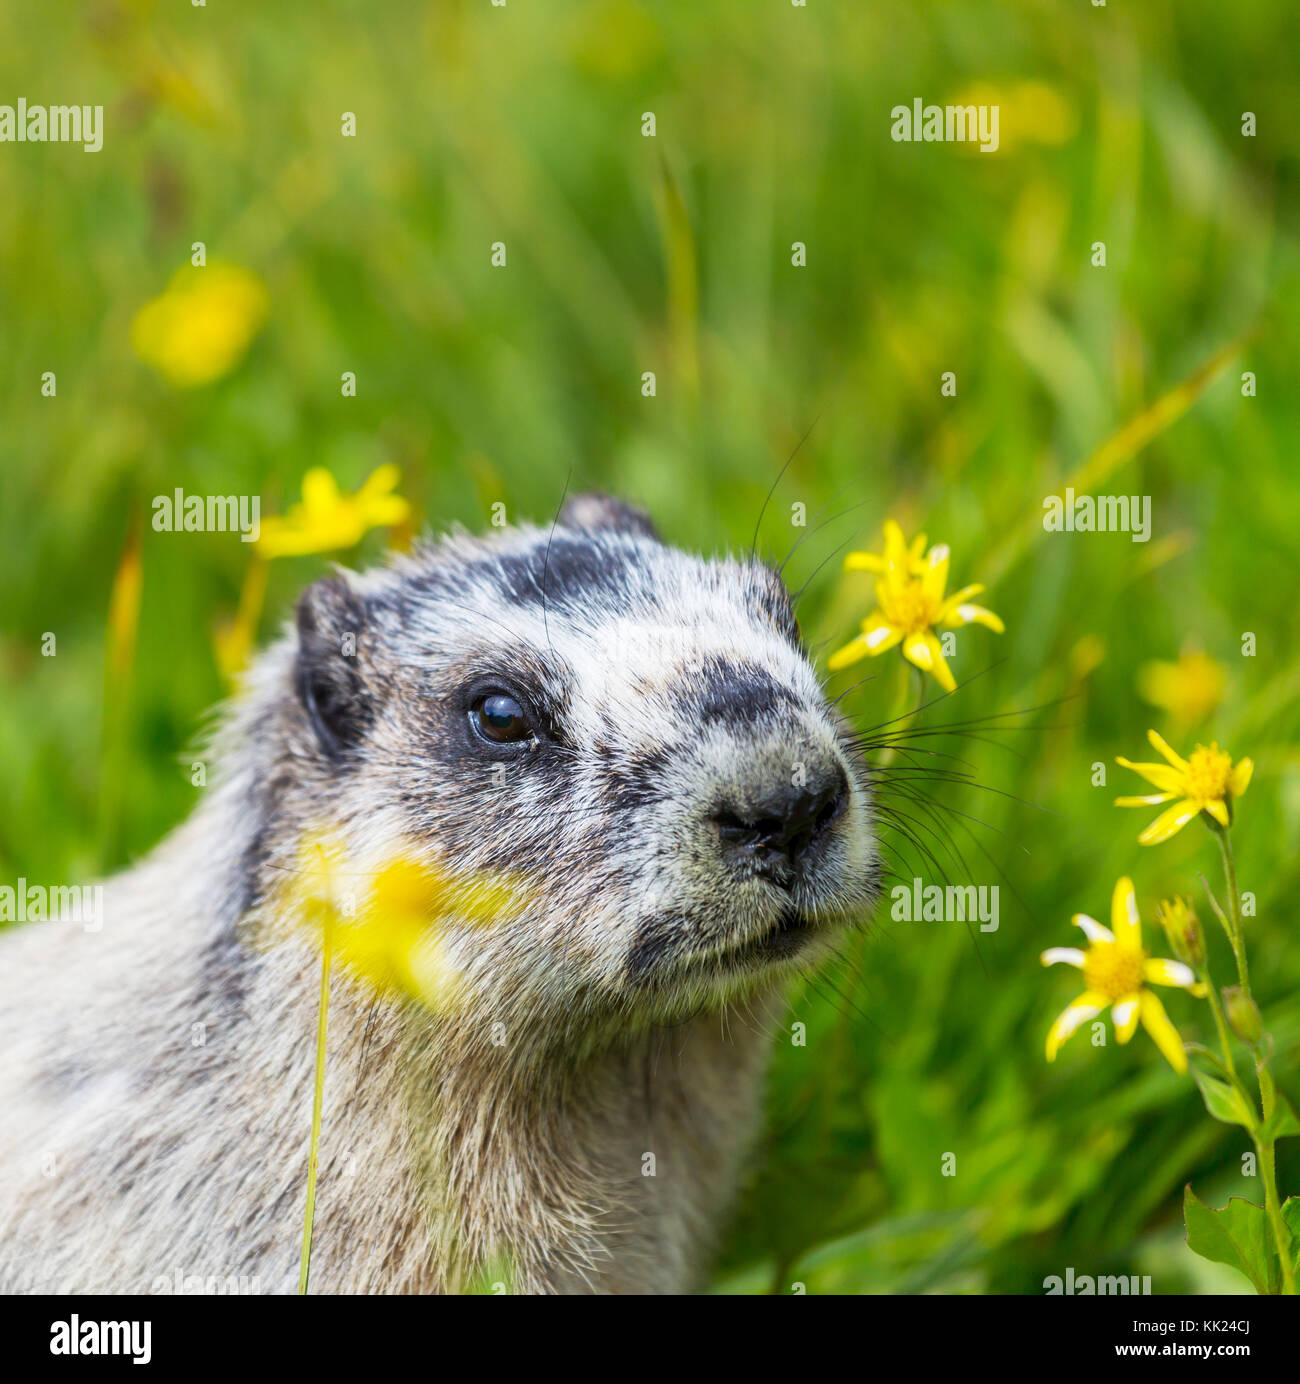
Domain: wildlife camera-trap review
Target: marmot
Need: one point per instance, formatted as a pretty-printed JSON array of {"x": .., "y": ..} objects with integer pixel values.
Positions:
[{"x": 636, "y": 730}]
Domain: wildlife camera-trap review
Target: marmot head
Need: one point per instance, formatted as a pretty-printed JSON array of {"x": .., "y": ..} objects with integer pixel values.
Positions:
[{"x": 634, "y": 731}]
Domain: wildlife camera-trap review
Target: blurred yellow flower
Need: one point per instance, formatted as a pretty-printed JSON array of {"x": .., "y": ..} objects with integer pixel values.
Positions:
[
  {"x": 199, "y": 328},
  {"x": 387, "y": 935},
  {"x": 1116, "y": 972},
  {"x": 1042, "y": 113},
  {"x": 910, "y": 602},
  {"x": 1188, "y": 690},
  {"x": 1030, "y": 112},
  {"x": 326, "y": 519},
  {"x": 1205, "y": 782}
]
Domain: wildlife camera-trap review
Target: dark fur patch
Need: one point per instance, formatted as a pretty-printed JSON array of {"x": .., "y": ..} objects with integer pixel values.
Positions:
[
  {"x": 568, "y": 573},
  {"x": 774, "y": 601},
  {"x": 327, "y": 674},
  {"x": 731, "y": 693},
  {"x": 636, "y": 783},
  {"x": 655, "y": 939}
]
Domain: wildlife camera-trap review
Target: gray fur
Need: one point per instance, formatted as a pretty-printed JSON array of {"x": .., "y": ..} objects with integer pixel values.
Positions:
[{"x": 637, "y": 992}]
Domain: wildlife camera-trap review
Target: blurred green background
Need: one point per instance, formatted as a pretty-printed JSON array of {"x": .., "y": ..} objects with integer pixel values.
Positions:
[{"x": 672, "y": 254}]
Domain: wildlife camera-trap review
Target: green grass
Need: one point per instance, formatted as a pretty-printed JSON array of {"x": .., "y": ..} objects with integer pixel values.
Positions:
[{"x": 522, "y": 124}]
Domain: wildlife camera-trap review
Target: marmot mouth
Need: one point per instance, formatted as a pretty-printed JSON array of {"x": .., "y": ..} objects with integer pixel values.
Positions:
[{"x": 787, "y": 936}]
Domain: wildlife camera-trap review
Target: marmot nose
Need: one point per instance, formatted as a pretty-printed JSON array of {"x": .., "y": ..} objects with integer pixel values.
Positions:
[{"x": 779, "y": 826}]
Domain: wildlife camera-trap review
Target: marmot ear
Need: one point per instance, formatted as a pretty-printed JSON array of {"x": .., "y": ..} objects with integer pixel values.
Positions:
[
  {"x": 327, "y": 672},
  {"x": 592, "y": 510}
]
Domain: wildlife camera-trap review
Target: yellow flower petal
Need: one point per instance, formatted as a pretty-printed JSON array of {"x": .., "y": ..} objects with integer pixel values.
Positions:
[
  {"x": 1092, "y": 929},
  {"x": 968, "y": 614},
  {"x": 1147, "y": 800},
  {"x": 385, "y": 512},
  {"x": 320, "y": 491},
  {"x": 1159, "y": 971},
  {"x": 1167, "y": 780},
  {"x": 1239, "y": 779},
  {"x": 1156, "y": 1022},
  {"x": 923, "y": 650},
  {"x": 1070, "y": 956},
  {"x": 918, "y": 649},
  {"x": 965, "y": 594},
  {"x": 895, "y": 544},
  {"x": 878, "y": 634},
  {"x": 1084, "y": 1007},
  {"x": 1172, "y": 819},
  {"x": 855, "y": 650},
  {"x": 380, "y": 481},
  {"x": 1124, "y": 920},
  {"x": 1218, "y": 809},
  {"x": 1158, "y": 744},
  {"x": 934, "y": 580},
  {"x": 1124, "y": 1014},
  {"x": 864, "y": 562}
]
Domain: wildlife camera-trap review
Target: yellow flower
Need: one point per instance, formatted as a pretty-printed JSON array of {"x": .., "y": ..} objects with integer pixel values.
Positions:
[
  {"x": 1206, "y": 782},
  {"x": 326, "y": 519},
  {"x": 199, "y": 328},
  {"x": 1188, "y": 690},
  {"x": 898, "y": 553},
  {"x": 1116, "y": 972},
  {"x": 388, "y": 934},
  {"x": 910, "y": 602}
]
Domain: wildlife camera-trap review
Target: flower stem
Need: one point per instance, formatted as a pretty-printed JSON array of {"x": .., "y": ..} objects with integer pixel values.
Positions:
[
  {"x": 1234, "y": 909},
  {"x": 1267, "y": 1091},
  {"x": 304, "y": 1267},
  {"x": 1281, "y": 1236},
  {"x": 906, "y": 705},
  {"x": 1216, "y": 1006}
]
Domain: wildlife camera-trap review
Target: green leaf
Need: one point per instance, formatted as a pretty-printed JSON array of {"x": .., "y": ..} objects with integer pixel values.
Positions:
[
  {"x": 1282, "y": 1123},
  {"x": 1223, "y": 1101},
  {"x": 1237, "y": 1234},
  {"x": 1198, "y": 1052},
  {"x": 1291, "y": 1216}
]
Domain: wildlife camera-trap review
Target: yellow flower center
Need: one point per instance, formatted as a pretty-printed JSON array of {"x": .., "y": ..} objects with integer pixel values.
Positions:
[
  {"x": 1207, "y": 773},
  {"x": 909, "y": 607},
  {"x": 1113, "y": 970}
]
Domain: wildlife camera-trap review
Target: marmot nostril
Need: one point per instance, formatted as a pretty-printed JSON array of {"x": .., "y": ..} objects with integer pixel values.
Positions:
[{"x": 782, "y": 824}]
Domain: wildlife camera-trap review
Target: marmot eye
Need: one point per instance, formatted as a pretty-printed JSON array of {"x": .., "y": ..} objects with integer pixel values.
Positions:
[{"x": 500, "y": 718}]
